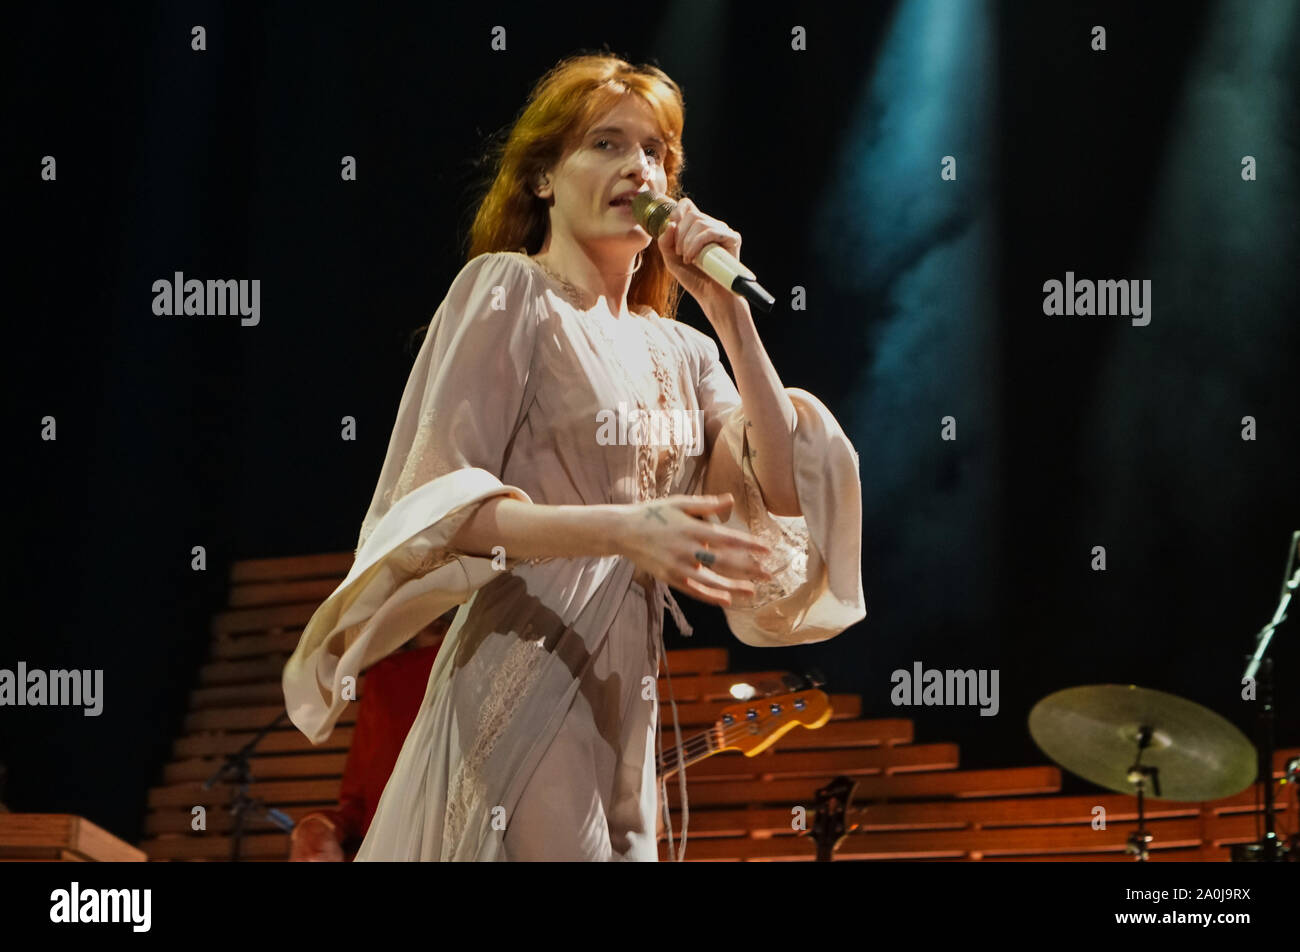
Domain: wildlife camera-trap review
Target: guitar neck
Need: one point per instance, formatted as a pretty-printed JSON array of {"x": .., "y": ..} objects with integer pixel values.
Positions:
[
  {"x": 696, "y": 748},
  {"x": 749, "y": 727}
]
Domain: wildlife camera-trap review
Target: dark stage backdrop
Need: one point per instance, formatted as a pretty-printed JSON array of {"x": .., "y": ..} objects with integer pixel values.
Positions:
[{"x": 924, "y": 299}]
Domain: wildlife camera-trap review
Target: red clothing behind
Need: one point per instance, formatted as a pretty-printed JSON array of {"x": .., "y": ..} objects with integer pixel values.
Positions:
[{"x": 394, "y": 689}]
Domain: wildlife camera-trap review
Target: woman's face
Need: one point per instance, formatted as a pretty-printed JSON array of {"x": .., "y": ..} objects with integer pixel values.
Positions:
[{"x": 622, "y": 152}]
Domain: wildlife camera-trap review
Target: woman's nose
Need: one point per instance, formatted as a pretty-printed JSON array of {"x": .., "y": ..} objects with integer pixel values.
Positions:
[{"x": 643, "y": 166}]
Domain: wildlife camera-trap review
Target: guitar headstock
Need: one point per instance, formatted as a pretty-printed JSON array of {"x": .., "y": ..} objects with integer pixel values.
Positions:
[
  {"x": 753, "y": 726},
  {"x": 832, "y": 805}
]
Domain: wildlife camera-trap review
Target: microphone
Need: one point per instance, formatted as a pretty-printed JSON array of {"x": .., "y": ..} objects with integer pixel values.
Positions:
[{"x": 652, "y": 213}]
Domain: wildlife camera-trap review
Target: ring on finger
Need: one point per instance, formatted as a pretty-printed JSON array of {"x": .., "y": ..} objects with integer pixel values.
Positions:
[{"x": 705, "y": 557}]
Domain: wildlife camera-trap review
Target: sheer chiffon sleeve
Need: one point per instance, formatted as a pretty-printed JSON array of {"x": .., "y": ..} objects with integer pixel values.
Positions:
[
  {"x": 466, "y": 397},
  {"x": 816, "y": 591}
]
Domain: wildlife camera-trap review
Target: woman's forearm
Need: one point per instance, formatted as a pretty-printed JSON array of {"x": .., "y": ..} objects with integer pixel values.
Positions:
[
  {"x": 768, "y": 409},
  {"x": 530, "y": 530}
]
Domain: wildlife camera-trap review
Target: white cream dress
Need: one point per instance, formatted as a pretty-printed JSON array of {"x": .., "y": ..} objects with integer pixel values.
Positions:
[{"x": 538, "y": 735}]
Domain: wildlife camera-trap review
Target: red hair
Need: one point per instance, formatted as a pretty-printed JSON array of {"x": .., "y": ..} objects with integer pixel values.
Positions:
[{"x": 562, "y": 106}]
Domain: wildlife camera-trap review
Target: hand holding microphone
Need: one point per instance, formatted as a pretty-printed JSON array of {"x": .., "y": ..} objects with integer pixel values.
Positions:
[{"x": 700, "y": 252}]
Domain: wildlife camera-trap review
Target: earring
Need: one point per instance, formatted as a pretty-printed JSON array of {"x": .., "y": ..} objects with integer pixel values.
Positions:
[{"x": 637, "y": 266}]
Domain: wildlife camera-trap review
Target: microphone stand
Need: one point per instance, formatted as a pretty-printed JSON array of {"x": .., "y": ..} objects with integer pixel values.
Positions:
[
  {"x": 235, "y": 770},
  {"x": 1269, "y": 849}
]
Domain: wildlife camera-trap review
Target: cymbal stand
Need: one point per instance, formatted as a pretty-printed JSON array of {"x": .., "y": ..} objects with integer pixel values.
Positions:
[{"x": 1139, "y": 776}]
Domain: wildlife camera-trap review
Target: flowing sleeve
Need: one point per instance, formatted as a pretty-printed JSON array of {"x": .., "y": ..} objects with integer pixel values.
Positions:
[
  {"x": 466, "y": 397},
  {"x": 816, "y": 591}
]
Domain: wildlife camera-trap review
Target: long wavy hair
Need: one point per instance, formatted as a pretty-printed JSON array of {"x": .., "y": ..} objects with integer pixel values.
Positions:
[{"x": 561, "y": 107}]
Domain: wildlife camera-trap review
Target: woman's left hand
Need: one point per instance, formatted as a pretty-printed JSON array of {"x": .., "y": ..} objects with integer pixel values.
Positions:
[{"x": 681, "y": 242}]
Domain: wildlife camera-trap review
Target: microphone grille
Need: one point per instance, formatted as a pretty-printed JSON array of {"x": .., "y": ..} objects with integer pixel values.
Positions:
[{"x": 652, "y": 211}]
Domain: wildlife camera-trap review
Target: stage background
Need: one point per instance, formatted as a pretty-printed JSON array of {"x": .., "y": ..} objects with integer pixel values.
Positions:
[{"x": 924, "y": 300}]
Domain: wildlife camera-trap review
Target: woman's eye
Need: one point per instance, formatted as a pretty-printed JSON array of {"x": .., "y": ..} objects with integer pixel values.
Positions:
[{"x": 652, "y": 151}]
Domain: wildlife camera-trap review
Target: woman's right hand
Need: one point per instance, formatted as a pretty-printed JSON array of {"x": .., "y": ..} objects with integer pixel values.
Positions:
[{"x": 662, "y": 537}]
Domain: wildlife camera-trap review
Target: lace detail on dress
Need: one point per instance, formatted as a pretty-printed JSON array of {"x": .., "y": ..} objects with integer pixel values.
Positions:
[
  {"x": 655, "y": 472},
  {"x": 424, "y": 461},
  {"x": 660, "y": 481},
  {"x": 419, "y": 557},
  {"x": 786, "y": 536},
  {"x": 512, "y": 682}
]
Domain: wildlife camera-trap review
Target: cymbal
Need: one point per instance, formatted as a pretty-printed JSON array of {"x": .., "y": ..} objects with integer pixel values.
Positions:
[{"x": 1092, "y": 731}]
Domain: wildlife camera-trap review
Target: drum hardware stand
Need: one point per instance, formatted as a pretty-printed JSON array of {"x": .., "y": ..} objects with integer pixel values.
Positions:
[
  {"x": 1140, "y": 776},
  {"x": 1185, "y": 752}
]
